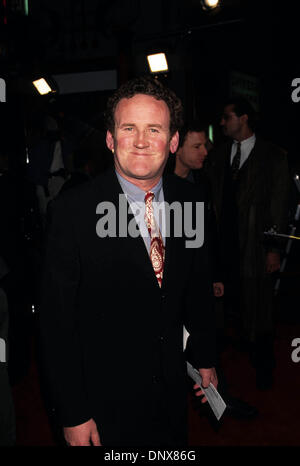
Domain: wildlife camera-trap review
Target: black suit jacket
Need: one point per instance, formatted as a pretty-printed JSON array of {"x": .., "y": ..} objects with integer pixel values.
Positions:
[
  {"x": 111, "y": 338},
  {"x": 263, "y": 181},
  {"x": 203, "y": 184},
  {"x": 257, "y": 202}
]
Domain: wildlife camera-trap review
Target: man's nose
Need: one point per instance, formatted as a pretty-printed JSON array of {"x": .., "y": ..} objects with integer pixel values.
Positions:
[
  {"x": 141, "y": 139},
  {"x": 203, "y": 151}
]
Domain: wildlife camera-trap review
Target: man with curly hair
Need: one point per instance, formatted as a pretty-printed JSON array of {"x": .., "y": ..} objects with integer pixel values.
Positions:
[{"x": 114, "y": 304}]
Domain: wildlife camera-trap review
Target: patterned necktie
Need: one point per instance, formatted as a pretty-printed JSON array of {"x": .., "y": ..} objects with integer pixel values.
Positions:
[
  {"x": 157, "y": 249},
  {"x": 235, "y": 166}
]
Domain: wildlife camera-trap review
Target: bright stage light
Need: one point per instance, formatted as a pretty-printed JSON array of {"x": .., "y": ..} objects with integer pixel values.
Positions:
[
  {"x": 157, "y": 63},
  {"x": 42, "y": 86},
  {"x": 210, "y": 4}
]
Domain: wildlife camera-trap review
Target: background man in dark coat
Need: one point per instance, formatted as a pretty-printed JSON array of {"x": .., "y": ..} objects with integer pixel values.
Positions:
[
  {"x": 189, "y": 162},
  {"x": 112, "y": 337},
  {"x": 250, "y": 184}
]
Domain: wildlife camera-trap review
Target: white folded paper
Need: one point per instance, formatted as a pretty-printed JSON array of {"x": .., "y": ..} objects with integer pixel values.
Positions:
[{"x": 214, "y": 398}]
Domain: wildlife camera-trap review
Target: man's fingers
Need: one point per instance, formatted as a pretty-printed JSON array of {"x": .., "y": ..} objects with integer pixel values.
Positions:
[
  {"x": 95, "y": 438},
  {"x": 78, "y": 443},
  {"x": 200, "y": 393},
  {"x": 205, "y": 382},
  {"x": 85, "y": 434}
]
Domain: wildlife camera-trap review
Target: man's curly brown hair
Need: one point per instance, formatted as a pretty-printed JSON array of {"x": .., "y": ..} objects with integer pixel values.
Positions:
[{"x": 146, "y": 86}]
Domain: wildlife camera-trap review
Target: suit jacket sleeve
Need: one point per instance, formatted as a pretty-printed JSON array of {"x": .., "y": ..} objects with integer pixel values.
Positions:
[
  {"x": 200, "y": 319},
  {"x": 214, "y": 244},
  {"x": 60, "y": 343},
  {"x": 279, "y": 190}
]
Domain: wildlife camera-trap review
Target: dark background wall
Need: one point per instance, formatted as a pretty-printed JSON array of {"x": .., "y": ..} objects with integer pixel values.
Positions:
[
  {"x": 258, "y": 40},
  {"x": 251, "y": 37}
]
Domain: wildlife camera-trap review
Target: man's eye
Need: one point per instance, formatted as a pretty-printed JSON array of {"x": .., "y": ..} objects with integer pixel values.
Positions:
[
  {"x": 128, "y": 128},
  {"x": 153, "y": 130}
]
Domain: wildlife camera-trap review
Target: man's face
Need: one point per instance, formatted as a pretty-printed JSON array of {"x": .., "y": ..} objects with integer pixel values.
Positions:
[
  {"x": 193, "y": 152},
  {"x": 231, "y": 123},
  {"x": 141, "y": 141}
]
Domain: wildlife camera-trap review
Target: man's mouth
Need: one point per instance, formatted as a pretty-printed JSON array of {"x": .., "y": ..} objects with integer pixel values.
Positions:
[{"x": 141, "y": 154}]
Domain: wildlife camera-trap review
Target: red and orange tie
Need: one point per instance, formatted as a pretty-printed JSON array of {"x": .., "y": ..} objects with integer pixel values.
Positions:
[{"x": 157, "y": 249}]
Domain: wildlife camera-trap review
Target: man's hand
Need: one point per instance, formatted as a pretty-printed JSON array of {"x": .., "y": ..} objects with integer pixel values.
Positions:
[
  {"x": 208, "y": 376},
  {"x": 218, "y": 289},
  {"x": 84, "y": 435},
  {"x": 272, "y": 262}
]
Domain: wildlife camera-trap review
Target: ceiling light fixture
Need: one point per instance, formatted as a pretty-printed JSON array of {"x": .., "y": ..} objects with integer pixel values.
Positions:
[
  {"x": 42, "y": 86},
  {"x": 209, "y": 5},
  {"x": 158, "y": 63}
]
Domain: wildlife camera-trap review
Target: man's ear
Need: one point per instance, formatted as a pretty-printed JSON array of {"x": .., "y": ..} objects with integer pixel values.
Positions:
[
  {"x": 174, "y": 143},
  {"x": 110, "y": 141}
]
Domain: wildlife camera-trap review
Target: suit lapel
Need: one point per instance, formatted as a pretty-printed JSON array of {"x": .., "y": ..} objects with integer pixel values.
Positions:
[
  {"x": 250, "y": 176},
  {"x": 136, "y": 250},
  {"x": 250, "y": 159},
  {"x": 172, "y": 251}
]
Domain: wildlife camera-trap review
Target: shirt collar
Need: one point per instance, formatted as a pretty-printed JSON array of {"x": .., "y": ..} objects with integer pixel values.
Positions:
[
  {"x": 247, "y": 141},
  {"x": 135, "y": 193}
]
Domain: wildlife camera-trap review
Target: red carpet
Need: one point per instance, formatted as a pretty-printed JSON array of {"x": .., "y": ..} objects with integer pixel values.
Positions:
[{"x": 278, "y": 422}]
